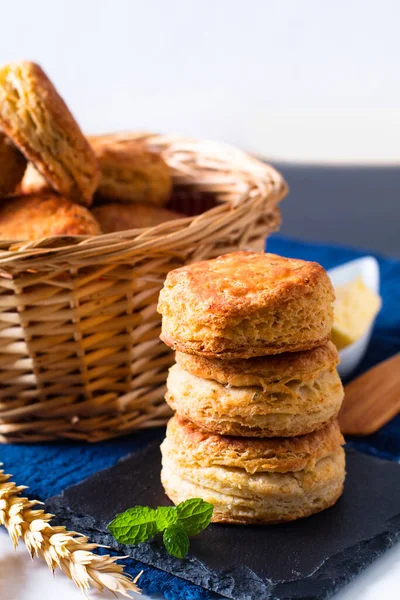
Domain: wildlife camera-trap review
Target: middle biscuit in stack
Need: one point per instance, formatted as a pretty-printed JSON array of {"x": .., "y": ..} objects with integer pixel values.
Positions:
[
  {"x": 253, "y": 361},
  {"x": 273, "y": 396}
]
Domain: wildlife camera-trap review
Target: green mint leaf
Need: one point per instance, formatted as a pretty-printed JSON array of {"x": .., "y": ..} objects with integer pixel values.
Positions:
[
  {"x": 137, "y": 524},
  {"x": 176, "y": 541},
  {"x": 194, "y": 515},
  {"x": 166, "y": 516}
]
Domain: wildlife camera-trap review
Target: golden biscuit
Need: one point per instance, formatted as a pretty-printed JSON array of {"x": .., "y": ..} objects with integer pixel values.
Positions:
[
  {"x": 12, "y": 166},
  {"x": 119, "y": 139},
  {"x": 246, "y": 304},
  {"x": 37, "y": 120},
  {"x": 253, "y": 481},
  {"x": 263, "y": 371},
  {"x": 292, "y": 403},
  {"x": 118, "y": 216},
  {"x": 36, "y": 217},
  {"x": 131, "y": 173},
  {"x": 33, "y": 182},
  {"x": 194, "y": 446}
]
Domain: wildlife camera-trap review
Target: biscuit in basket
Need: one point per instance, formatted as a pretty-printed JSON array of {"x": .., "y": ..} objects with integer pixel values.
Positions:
[
  {"x": 252, "y": 480},
  {"x": 131, "y": 173},
  {"x": 39, "y": 216},
  {"x": 283, "y": 395},
  {"x": 36, "y": 119},
  {"x": 119, "y": 216},
  {"x": 33, "y": 182},
  {"x": 12, "y": 166},
  {"x": 119, "y": 139},
  {"x": 246, "y": 304}
]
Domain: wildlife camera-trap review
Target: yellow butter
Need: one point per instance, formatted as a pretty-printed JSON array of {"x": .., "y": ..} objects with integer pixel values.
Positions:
[{"x": 355, "y": 308}]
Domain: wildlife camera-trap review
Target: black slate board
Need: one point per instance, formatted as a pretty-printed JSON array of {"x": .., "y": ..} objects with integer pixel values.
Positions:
[{"x": 307, "y": 559}]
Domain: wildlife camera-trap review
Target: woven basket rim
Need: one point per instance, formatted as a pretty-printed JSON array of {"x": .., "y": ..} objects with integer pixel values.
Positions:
[
  {"x": 81, "y": 356},
  {"x": 219, "y": 166}
]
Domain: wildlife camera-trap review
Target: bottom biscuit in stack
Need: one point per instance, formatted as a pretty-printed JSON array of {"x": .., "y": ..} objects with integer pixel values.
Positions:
[{"x": 252, "y": 480}]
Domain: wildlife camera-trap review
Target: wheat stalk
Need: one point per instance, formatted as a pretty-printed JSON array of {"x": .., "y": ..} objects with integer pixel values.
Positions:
[{"x": 69, "y": 551}]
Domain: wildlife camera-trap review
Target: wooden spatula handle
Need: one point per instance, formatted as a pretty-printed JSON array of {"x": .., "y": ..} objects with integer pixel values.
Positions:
[{"x": 372, "y": 399}]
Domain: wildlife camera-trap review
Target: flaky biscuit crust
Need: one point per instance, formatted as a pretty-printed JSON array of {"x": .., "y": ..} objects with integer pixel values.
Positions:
[
  {"x": 118, "y": 139},
  {"x": 131, "y": 173},
  {"x": 283, "y": 408},
  {"x": 37, "y": 120},
  {"x": 246, "y": 304},
  {"x": 264, "y": 370},
  {"x": 39, "y": 216},
  {"x": 257, "y": 495},
  {"x": 193, "y": 447},
  {"x": 33, "y": 182},
  {"x": 12, "y": 166},
  {"x": 306, "y": 493},
  {"x": 119, "y": 216},
  {"x": 229, "y": 349}
]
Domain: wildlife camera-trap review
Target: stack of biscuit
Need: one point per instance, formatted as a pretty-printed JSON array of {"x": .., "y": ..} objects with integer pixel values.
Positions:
[
  {"x": 255, "y": 388},
  {"x": 51, "y": 175}
]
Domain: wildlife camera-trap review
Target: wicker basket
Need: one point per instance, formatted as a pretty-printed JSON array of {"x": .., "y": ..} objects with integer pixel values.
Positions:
[{"x": 80, "y": 356}]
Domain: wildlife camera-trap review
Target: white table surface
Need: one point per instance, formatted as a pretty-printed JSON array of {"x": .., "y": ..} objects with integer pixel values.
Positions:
[{"x": 24, "y": 579}]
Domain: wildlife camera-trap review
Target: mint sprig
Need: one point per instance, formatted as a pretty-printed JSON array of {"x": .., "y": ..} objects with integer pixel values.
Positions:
[
  {"x": 141, "y": 523},
  {"x": 194, "y": 515},
  {"x": 176, "y": 540},
  {"x": 165, "y": 516},
  {"x": 137, "y": 523}
]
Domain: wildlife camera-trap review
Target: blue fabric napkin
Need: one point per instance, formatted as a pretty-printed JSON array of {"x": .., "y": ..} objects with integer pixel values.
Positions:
[{"x": 50, "y": 468}]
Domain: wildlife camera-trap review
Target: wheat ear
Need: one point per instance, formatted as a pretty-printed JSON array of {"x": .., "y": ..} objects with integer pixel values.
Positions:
[{"x": 67, "y": 550}]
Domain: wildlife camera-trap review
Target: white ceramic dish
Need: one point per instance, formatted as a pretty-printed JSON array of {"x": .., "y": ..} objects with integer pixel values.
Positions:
[{"x": 368, "y": 269}]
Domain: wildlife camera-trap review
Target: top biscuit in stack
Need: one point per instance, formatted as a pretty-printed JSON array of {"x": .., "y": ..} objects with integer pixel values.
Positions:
[{"x": 246, "y": 304}]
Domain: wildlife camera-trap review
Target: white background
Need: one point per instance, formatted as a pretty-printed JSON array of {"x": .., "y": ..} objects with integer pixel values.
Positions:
[
  {"x": 299, "y": 80},
  {"x": 287, "y": 78}
]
